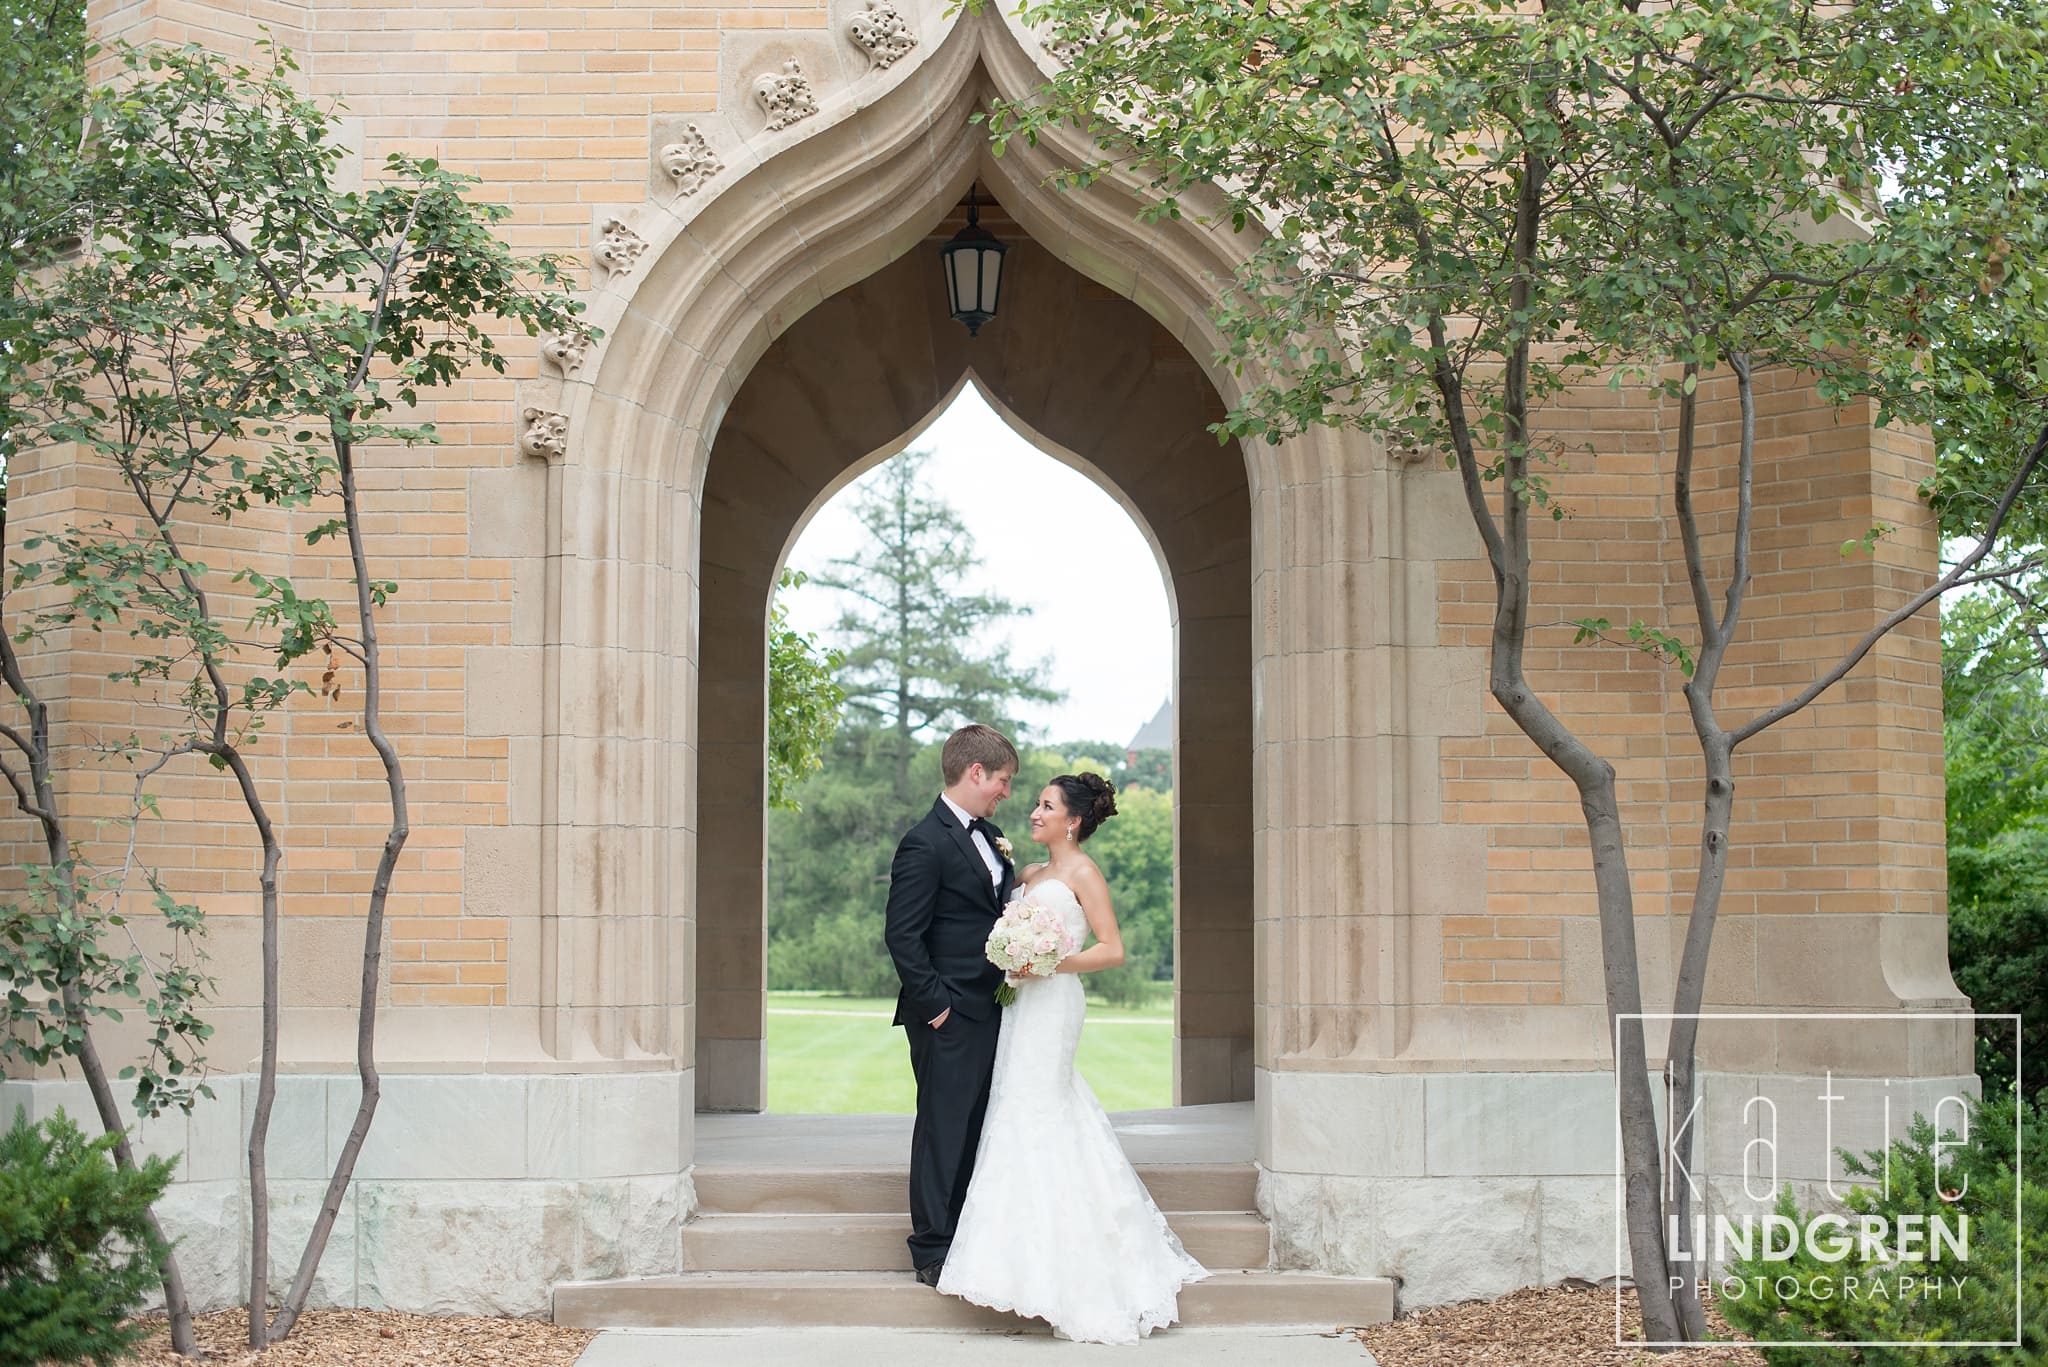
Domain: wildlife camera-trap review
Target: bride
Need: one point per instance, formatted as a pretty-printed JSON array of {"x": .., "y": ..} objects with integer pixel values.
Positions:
[{"x": 1056, "y": 1224}]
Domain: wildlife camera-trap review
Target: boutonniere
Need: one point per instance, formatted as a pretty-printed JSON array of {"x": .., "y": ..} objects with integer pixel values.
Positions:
[{"x": 1003, "y": 846}]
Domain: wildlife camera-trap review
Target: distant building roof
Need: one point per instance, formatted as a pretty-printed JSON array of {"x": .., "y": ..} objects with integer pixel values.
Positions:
[{"x": 1156, "y": 734}]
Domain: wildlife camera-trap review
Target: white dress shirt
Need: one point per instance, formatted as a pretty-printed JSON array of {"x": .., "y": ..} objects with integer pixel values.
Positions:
[{"x": 981, "y": 845}]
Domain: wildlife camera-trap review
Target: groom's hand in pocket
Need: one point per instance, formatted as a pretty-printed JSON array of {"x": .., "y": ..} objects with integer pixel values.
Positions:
[{"x": 942, "y": 1018}]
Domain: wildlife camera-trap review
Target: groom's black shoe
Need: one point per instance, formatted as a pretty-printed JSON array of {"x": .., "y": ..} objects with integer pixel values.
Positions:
[{"x": 928, "y": 1275}]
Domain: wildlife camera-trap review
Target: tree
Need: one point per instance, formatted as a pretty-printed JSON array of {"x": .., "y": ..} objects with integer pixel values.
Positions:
[
  {"x": 43, "y": 52},
  {"x": 915, "y": 647},
  {"x": 1147, "y": 769},
  {"x": 235, "y": 331},
  {"x": 78, "y": 1247},
  {"x": 61, "y": 941},
  {"x": 828, "y": 870},
  {"x": 1995, "y": 722},
  {"x": 1467, "y": 210},
  {"x": 1938, "y": 1171},
  {"x": 803, "y": 700},
  {"x": 43, "y": 101},
  {"x": 1996, "y": 725},
  {"x": 1135, "y": 851}
]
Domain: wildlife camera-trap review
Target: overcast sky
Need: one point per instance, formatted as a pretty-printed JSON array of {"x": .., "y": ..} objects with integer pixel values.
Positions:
[{"x": 1100, "y": 617}]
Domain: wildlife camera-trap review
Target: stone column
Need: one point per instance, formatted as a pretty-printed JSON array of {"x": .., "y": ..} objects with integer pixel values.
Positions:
[
  {"x": 738, "y": 566},
  {"x": 614, "y": 600}
]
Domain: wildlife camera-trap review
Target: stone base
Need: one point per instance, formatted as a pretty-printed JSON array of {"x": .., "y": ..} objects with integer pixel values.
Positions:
[
  {"x": 474, "y": 1194},
  {"x": 1211, "y": 1068},
  {"x": 1443, "y": 1239},
  {"x": 732, "y": 1075},
  {"x": 480, "y": 1193}
]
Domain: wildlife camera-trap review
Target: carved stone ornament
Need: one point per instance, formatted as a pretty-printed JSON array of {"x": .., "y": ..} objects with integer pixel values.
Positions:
[
  {"x": 787, "y": 96},
  {"x": 883, "y": 33},
  {"x": 691, "y": 162},
  {"x": 545, "y": 434},
  {"x": 618, "y": 247},
  {"x": 566, "y": 350},
  {"x": 1070, "y": 41},
  {"x": 1406, "y": 453}
]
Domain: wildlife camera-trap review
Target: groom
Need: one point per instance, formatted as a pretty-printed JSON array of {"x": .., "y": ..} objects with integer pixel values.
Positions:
[{"x": 946, "y": 888}]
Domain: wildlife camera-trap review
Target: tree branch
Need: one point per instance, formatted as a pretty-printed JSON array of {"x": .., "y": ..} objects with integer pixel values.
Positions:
[{"x": 1958, "y": 577}]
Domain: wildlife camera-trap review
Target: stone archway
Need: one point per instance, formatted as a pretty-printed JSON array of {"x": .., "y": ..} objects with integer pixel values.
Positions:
[
  {"x": 1428, "y": 1029},
  {"x": 1099, "y": 379},
  {"x": 633, "y": 877}
]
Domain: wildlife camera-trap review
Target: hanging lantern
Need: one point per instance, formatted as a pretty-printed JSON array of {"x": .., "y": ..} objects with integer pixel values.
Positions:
[{"x": 974, "y": 270}]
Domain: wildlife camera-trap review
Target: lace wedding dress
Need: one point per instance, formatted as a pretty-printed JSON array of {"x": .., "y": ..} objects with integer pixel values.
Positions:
[{"x": 1056, "y": 1224}]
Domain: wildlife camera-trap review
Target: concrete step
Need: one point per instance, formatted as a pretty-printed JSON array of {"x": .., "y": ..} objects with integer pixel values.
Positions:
[
  {"x": 734, "y": 1300},
  {"x": 850, "y": 1242},
  {"x": 754, "y": 1190}
]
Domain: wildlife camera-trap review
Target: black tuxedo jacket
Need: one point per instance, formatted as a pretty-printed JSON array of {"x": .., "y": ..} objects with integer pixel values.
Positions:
[{"x": 941, "y": 905}]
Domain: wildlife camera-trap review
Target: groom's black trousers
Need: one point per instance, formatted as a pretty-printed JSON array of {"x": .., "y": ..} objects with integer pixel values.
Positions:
[{"x": 952, "y": 1065}]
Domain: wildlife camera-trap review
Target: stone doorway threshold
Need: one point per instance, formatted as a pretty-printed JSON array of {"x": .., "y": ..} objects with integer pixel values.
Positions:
[{"x": 1220, "y": 1133}]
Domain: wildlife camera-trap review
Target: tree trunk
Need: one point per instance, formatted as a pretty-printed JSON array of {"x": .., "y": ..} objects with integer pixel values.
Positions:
[
  {"x": 902, "y": 743},
  {"x": 1718, "y": 745},
  {"x": 57, "y": 845},
  {"x": 177, "y": 1306},
  {"x": 1718, "y": 751},
  {"x": 223, "y": 749},
  {"x": 1688, "y": 994},
  {"x": 380, "y": 893},
  {"x": 1594, "y": 778},
  {"x": 1636, "y": 1102},
  {"x": 904, "y": 683},
  {"x": 266, "y": 1074},
  {"x": 1508, "y": 552}
]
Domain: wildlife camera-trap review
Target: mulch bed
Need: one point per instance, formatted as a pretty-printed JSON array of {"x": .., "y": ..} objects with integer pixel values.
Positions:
[
  {"x": 371, "y": 1338},
  {"x": 1559, "y": 1326}
]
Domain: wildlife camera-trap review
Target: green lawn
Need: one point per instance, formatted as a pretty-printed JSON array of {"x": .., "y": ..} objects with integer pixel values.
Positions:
[{"x": 840, "y": 1055}]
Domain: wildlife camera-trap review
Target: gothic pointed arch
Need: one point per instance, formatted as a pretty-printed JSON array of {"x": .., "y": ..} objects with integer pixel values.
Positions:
[
  {"x": 1102, "y": 385},
  {"x": 641, "y": 948}
]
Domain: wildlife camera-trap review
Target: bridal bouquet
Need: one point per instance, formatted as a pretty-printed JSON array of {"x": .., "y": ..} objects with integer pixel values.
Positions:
[{"x": 1029, "y": 934}]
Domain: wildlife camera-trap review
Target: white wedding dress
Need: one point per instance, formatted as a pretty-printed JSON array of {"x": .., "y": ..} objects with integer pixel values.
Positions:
[{"x": 1056, "y": 1224}]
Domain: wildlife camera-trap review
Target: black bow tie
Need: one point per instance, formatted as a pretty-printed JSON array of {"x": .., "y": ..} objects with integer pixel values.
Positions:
[{"x": 979, "y": 824}]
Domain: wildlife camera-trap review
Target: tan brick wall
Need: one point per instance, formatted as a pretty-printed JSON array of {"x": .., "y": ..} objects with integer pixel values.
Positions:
[
  {"x": 551, "y": 106},
  {"x": 1839, "y": 808},
  {"x": 229, "y": 26}
]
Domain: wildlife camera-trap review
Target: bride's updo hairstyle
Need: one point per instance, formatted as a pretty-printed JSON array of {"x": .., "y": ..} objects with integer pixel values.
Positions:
[{"x": 1088, "y": 796}]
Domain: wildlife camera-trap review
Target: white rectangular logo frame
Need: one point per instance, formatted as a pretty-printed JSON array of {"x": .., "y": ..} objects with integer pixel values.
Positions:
[{"x": 2019, "y": 1175}]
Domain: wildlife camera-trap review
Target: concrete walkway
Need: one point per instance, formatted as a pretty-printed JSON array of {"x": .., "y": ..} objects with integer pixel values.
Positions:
[{"x": 937, "y": 1348}]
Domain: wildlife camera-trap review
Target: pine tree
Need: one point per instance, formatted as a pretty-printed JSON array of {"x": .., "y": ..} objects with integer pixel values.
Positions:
[
  {"x": 78, "y": 1251},
  {"x": 918, "y": 648}
]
